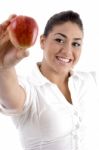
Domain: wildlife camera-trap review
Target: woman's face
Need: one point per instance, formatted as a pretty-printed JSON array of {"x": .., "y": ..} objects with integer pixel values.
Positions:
[{"x": 62, "y": 47}]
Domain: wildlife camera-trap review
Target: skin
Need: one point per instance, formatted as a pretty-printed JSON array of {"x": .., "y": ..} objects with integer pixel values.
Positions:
[{"x": 61, "y": 52}]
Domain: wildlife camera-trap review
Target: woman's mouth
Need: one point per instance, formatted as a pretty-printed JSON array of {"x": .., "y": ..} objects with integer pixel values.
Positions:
[{"x": 63, "y": 60}]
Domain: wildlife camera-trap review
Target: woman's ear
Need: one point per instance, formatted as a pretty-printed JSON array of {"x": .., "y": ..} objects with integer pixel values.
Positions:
[{"x": 42, "y": 41}]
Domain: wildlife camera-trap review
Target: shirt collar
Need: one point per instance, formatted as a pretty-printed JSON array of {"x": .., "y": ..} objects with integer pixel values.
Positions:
[
  {"x": 77, "y": 74},
  {"x": 39, "y": 79}
]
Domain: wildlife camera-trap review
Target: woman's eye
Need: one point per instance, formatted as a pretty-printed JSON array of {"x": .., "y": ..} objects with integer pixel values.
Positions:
[
  {"x": 59, "y": 40},
  {"x": 75, "y": 44}
]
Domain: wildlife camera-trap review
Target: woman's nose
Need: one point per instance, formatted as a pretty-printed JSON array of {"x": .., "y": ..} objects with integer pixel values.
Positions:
[{"x": 67, "y": 48}]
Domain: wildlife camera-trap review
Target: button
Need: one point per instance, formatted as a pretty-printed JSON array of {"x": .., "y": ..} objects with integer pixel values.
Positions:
[
  {"x": 75, "y": 113},
  {"x": 77, "y": 126},
  {"x": 80, "y": 119},
  {"x": 75, "y": 136}
]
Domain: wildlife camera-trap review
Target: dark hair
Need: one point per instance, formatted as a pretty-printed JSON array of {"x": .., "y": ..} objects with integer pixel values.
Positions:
[{"x": 61, "y": 18}]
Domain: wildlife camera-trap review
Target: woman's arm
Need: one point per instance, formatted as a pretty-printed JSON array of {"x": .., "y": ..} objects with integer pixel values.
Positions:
[{"x": 12, "y": 95}]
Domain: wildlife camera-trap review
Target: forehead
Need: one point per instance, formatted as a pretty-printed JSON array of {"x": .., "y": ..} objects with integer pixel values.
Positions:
[{"x": 68, "y": 29}]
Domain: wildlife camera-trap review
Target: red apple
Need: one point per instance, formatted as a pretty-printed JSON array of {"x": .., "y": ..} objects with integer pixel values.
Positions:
[{"x": 23, "y": 31}]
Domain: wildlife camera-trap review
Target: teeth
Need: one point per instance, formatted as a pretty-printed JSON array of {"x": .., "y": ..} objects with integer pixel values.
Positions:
[{"x": 66, "y": 60}]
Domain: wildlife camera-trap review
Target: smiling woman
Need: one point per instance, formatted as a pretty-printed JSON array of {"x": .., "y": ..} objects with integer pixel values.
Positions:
[
  {"x": 63, "y": 46},
  {"x": 52, "y": 107}
]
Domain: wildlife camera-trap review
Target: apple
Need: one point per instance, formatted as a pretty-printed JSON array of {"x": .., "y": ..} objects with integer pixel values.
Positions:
[{"x": 23, "y": 31}]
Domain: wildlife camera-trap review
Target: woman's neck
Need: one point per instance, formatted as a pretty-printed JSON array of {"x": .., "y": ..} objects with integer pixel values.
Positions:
[{"x": 55, "y": 77}]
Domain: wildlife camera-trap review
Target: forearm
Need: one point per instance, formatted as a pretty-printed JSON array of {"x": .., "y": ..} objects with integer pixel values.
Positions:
[{"x": 11, "y": 94}]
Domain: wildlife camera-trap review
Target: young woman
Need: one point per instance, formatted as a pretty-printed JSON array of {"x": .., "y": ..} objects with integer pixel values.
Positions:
[{"x": 53, "y": 106}]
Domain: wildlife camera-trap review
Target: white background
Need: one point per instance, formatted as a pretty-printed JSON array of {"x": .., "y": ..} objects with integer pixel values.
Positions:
[{"x": 41, "y": 10}]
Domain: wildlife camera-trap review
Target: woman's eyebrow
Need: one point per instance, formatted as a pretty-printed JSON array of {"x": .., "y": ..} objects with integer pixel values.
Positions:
[
  {"x": 76, "y": 39},
  {"x": 61, "y": 35}
]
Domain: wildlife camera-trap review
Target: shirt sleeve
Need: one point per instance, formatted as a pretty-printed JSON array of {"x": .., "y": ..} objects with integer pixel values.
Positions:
[{"x": 29, "y": 89}]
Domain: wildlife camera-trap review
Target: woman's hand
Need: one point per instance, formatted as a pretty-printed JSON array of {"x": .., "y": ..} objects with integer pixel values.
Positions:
[{"x": 9, "y": 55}]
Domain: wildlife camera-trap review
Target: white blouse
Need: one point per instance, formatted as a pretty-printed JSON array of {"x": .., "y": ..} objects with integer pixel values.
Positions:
[{"x": 50, "y": 122}]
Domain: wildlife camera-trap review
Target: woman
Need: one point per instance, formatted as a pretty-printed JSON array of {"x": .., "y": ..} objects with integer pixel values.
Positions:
[{"x": 53, "y": 106}]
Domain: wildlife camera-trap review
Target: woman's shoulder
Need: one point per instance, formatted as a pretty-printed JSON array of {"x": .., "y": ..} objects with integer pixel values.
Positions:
[{"x": 85, "y": 75}]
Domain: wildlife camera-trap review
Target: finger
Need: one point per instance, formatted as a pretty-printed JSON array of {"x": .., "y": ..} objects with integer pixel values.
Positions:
[
  {"x": 6, "y": 23},
  {"x": 3, "y": 39},
  {"x": 22, "y": 54},
  {"x": 12, "y": 16},
  {"x": 26, "y": 53},
  {"x": 3, "y": 29}
]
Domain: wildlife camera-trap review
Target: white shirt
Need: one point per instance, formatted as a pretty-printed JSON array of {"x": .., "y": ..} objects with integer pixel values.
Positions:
[{"x": 50, "y": 122}]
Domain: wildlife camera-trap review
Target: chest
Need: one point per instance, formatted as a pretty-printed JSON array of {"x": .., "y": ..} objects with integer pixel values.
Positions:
[
  {"x": 55, "y": 114},
  {"x": 66, "y": 93},
  {"x": 53, "y": 117}
]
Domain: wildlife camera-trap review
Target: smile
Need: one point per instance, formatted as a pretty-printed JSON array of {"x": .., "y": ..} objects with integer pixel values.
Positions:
[{"x": 63, "y": 60}]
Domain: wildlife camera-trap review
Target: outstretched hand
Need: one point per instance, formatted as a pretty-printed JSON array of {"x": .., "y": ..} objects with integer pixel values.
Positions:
[{"x": 9, "y": 55}]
